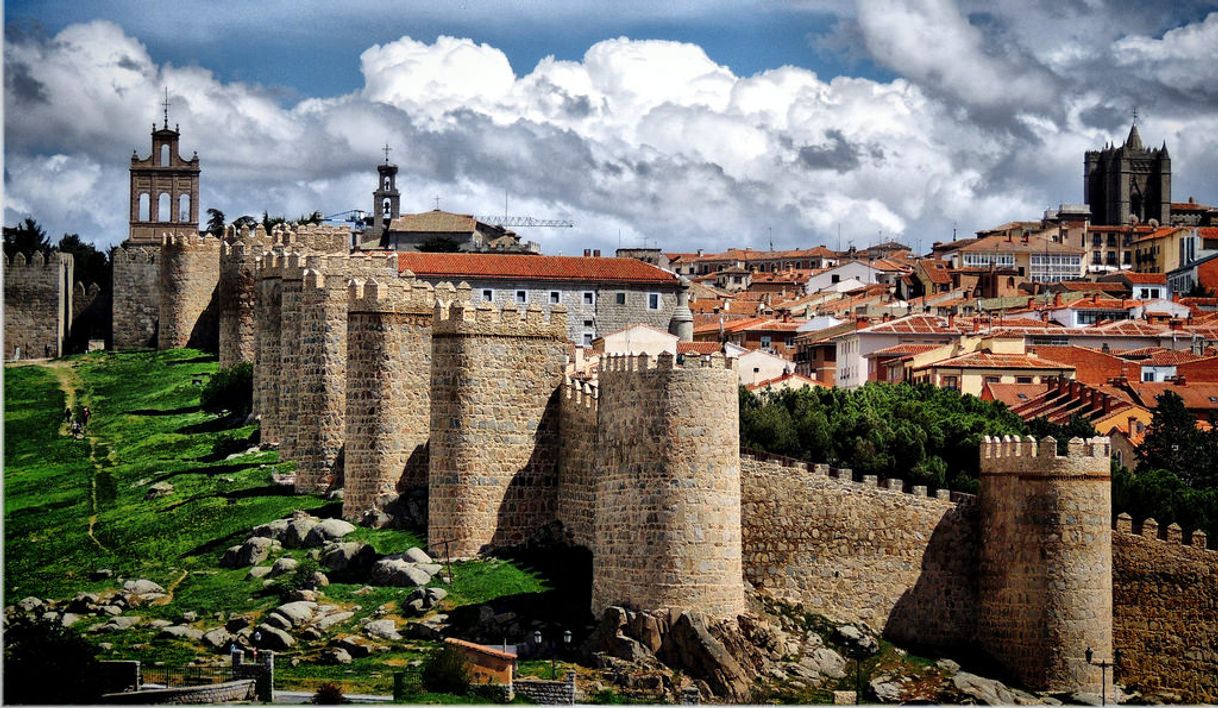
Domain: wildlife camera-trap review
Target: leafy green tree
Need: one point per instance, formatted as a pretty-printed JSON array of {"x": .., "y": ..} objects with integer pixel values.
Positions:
[
  {"x": 314, "y": 218},
  {"x": 1076, "y": 427},
  {"x": 269, "y": 222},
  {"x": 25, "y": 238},
  {"x": 230, "y": 390},
  {"x": 439, "y": 244},
  {"x": 244, "y": 220},
  {"x": 47, "y": 663},
  {"x": 90, "y": 264},
  {"x": 1174, "y": 443},
  {"x": 215, "y": 223}
]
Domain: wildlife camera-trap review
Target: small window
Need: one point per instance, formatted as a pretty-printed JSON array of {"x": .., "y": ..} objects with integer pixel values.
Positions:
[
  {"x": 992, "y": 379},
  {"x": 522, "y": 297},
  {"x": 766, "y": 341},
  {"x": 1148, "y": 375},
  {"x": 587, "y": 323},
  {"x": 488, "y": 295},
  {"x": 621, "y": 298},
  {"x": 653, "y": 301},
  {"x": 835, "y": 279},
  {"x": 1023, "y": 379},
  {"x": 587, "y": 339},
  {"x": 1022, "y": 396},
  {"x": 790, "y": 341},
  {"x": 555, "y": 296},
  {"x": 589, "y": 297}
]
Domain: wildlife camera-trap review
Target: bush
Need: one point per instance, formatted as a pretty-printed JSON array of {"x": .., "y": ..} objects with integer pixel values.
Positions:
[
  {"x": 230, "y": 390},
  {"x": 300, "y": 579},
  {"x": 329, "y": 694},
  {"x": 45, "y": 662},
  {"x": 446, "y": 672}
]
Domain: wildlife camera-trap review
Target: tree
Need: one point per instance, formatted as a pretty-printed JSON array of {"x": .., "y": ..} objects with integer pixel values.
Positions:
[
  {"x": 439, "y": 244},
  {"x": 230, "y": 389},
  {"x": 245, "y": 220},
  {"x": 215, "y": 223},
  {"x": 315, "y": 218},
  {"x": 1174, "y": 443},
  {"x": 45, "y": 662},
  {"x": 268, "y": 221},
  {"x": 90, "y": 264},
  {"x": 25, "y": 238}
]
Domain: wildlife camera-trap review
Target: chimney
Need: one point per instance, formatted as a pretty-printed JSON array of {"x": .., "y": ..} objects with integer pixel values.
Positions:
[
  {"x": 587, "y": 252},
  {"x": 1057, "y": 299},
  {"x": 699, "y": 252},
  {"x": 596, "y": 252}
]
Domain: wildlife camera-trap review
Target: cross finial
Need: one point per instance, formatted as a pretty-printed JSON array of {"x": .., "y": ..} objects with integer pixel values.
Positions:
[
  {"x": 386, "y": 149},
  {"x": 165, "y": 107},
  {"x": 1135, "y": 115},
  {"x": 437, "y": 203}
]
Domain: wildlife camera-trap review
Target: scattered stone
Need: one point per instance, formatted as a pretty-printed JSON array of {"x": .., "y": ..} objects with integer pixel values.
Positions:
[
  {"x": 105, "y": 646},
  {"x": 112, "y": 610},
  {"x": 347, "y": 556},
  {"x": 101, "y": 574},
  {"x": 311, "y": 634},
  {"x": 297, "y": 613},
  {"x": 298, "y": 530},
  {"x": 301, "y": 595},
  {"x": 437, "y": 594},
  {"x": 376, "y": 519},
  {"x": 318, "y": 580},
  {"x": 888, "y": 689},
  {"x": 278, "y": 621},
  {"x": 382, "y": 629},
  {"x": 691, "y": 648},
  {"x": 328, "y": 530},
  {"x": 948, "y": 666},
  {"x": 158, "y": 490},
  {"x": 991, "y": 692},
  {"x": 364, "y": 590},
  {"x": 258, "y": 572},
  {"x": 825, "y": 662},
  {"x": 356, "y": 647},
  {"x": 142, "y": 587},
  {"x": 287, "y": 564},
  {"x": 335, "y": 495},
  {"x": 273, "y": 638},
  {"x": 29, "y": 604},
  {"x": 855, "y": 640},
  {"x": 252, "y": 552},
  {"x": 83, "y": 603},
  {"x": 190, "y": 617},
  {"x": 431, "y": 568},
  {"x": 334, "y": 655},
  {"x": 159, "y": 623},
  {"x": 397, "y": 572},
  {"x": 217, "y": 639},
  {"x": 330, "y": 620},
  {"x": 118, "y": 624},
  {"x": 275, "y": 529},
  {"x": 417, "y": 555},
  {"x": 68, "y": 619},
  {"x": 181, "y": 632},
  {"x": 237, "y": 623},
  {"x": 1085, "y": 699}
]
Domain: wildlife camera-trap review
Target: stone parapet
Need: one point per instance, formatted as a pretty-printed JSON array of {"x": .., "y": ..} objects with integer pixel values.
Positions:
[
  {"x": 291, "y": 276},
  {"x": 1046, "y": 559},
  {"x": 578, "y": 460},
  {"x": 667, "y": 519},
  {"x": 388, "y": 416},
  {"x": 268, "y": 326},
  {"x": 37, "y": 305},
  {"x": 136, "y": 302},
  {"x": 189, "y": 275},
  {"x": 494, "y": 424},
  {"x": 238, "y": 290}
]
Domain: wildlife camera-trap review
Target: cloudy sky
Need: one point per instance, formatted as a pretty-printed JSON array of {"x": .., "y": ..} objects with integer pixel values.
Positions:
[{"x": 687, "y": 125}]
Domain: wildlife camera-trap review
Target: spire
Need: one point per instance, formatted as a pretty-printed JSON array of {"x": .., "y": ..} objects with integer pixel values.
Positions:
[
  {"x": 1134, "y": 141},
  {"x": 1163, "y": 150}
]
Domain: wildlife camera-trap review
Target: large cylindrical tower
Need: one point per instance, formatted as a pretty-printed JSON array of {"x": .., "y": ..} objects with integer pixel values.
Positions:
[
  {"x": 1045, "y": 584},
  {"x": 667, "y": 519},
  {"x": 238, "y": 292},
  {"x": 189, "y": 273},
  {"x": 291, "y": 277},
  {"x": 268, "y": 321},
  {"x": 494, "y": 424}
]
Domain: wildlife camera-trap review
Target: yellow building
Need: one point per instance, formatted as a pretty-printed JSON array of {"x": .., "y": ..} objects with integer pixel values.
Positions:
[
  {"x": 972, "y": 362},
  {"x": 1163, "y": 250}
]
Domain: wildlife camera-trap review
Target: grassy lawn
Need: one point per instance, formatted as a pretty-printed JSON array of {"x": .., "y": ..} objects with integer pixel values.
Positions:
[{"x": 146, "y": 427}]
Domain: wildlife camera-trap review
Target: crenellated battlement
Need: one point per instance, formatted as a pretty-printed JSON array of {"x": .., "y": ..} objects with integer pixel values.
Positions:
[
  {"x": 190, "y": 241},
  {"x": 320, "y": 237},
  {"x": 463, "y": 318},
  {"x": 142, "y": 255},
  {"x": 1029, "y": 456},
  {"x": 615, "y": 363},
  {"x": 1172, "y": 534},
  {"x": 845, "y": 476},
  {"x": 37, "y": 260},
  {"x": 581, "y": 393},
  {"x": 393, "y": 295}
]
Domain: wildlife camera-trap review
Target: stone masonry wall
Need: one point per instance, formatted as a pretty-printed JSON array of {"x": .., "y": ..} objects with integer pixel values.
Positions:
[
  {"x": 388, "y": 415},
  {"x": 268, "y": 328},
  {"x": 1046, "y": 560},
  {"x": 136, "y": 300},
  {"x": 1165, "y": 602},
  {"x": 37, "y": 305},
  {"x": 90, "y": 316},
  {"x": 189, "y": 274},
  {"x": 494, "y": 424},
  {"x": 578, "y": 461},
  {"x": 861, "y": 551},
  {"x": 238, "y": 292},
  {"x": 667, "y": 529},
  {"x": 288, "y": 416}
]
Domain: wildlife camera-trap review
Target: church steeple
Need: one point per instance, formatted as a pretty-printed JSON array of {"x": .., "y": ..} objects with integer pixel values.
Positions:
[{"x": 1134, "y": 141}]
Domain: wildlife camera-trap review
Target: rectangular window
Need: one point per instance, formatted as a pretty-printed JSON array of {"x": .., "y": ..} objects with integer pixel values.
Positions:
[
  {"x": 1023, "y": 379},
  {"x": 488, "y": 294},
  {"x": 1148, "y": 375},
  {"x": 766, "y": 341},
  {"x": 790, "y": 341},
  {"x": 555, "y": 296},
  {"x": 621, "y": 298},
  {"x": 589, "y": 297},
  {"x": 522, "y": 297},
  {"x": 587, "y": 339},
  {"x": 653, "y": 301},
  {"x": 992, "y": 379},
  {"x": 1154, "y": 293},
  {"x": 587, "y": 323},
  {"x": 950, "y": 382}
]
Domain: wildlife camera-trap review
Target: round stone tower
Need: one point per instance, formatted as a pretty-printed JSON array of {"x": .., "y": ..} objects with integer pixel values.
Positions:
[
  {"x": 667, "y": 519},
  {"x": 189, "y": 273},
  {"x": 290, "y": 277},
  {"x": 238, "y": 292},
  {"x": 494, "y": 425},
  {"x": 1045, "y": 583},
  {"x": 268, "y": 325}
]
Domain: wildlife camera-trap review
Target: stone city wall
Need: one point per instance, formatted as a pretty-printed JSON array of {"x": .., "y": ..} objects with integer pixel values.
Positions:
[
  {"x": 37, "y": 305},
  {"x": 667, "y": 521},
  {"x": 578, "y": 461},
  {"x": 287, "y": 418},
  {"x": 136, "y": 300},
  {"x": 388, "y": 416},
  {"x": 861, "y": 551},
  {"x": 238, "y": 291},
  {"x": 268, "y": 325},
  {"x": 494, "y": 424},
  {"x": 90, "y": 316},
  {"x": 189, "y": 274},
  {"x": 1165, "y": 603},
  {"x": 1045, "y": 583}
]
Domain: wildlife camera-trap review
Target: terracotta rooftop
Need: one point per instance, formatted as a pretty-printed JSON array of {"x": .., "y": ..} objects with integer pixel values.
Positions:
[
  {"x": 990, "y": 360},
  {"x": 1158, "y": 356},
  {"x": 1014, "y": 394},
  {"x": 1159, "y": 233},
  {"x": 525, "y": 267},
  {"x": 915, "y": 324},
  {"x": 1092, "y": 286},
  {"x": 1197, "y": 395},
  {"x": 1001, "y": 244},
  {"x": 1102, "y": 303},
  {"x": 1140, "y": 278},
  {"x": 900, "y": 350},
  {"x": 699, "y": 348},
  {"x": 798, "y": 378}
]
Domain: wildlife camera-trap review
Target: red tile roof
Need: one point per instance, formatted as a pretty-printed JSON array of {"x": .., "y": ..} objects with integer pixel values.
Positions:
[
  {"x": 1159, "y": 233},
  {"x": 1158, "y": 356},
  {"x": 699, "y": 348},
  {"x": 1013, "y": 394},
  {"x": 1196, "y": 395},
  {"x": 797, "y": 378},
  {"x": 1144, "y": 278},
  {"x": 990, "y": 360},
  {"x": 1000, "y": 244},
  {"x": 524, "y": 267},
  {"x": 916, "y": 324}
]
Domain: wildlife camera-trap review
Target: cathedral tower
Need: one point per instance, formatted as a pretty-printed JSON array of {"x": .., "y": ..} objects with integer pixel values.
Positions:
[
  {"x": 1126, "y": 181},
  {"x": 164, "y": 188},
  {"x": 386, "y": 201}
]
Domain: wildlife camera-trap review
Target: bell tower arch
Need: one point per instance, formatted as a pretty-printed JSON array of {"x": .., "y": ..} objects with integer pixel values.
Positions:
[{"x": 164, "y": 187}]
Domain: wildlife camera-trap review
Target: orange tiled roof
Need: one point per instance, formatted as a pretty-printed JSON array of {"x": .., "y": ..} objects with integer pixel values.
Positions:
[
  {"x": 785, "y": 377},
  {"x": 1102, "y": 303},
  {"x": 1159, "y": 233},
  {"x": 915, "y": 324},
  {"x": 1144, "y": 278},
  {"x": 524, "y": 267},
  {"x": 699, "y": 348},
  {"x": 1158, "y": 356},
  {"x": 1196, "y": 395},
  {"x": 1014, "y": 394},
  {"x": 1001, "y": 244},
  {"x": 990, "y": 360},
  {"x": 901, "y": 350}
]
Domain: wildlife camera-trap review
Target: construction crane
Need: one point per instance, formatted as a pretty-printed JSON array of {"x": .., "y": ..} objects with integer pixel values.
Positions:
[
  {"x": 518, "y": 221},
  {"x": 350, "y": 216}
]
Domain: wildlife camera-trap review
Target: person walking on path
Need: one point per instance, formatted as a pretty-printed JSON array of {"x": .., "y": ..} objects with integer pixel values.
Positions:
[{"x": 84, "y": 417}]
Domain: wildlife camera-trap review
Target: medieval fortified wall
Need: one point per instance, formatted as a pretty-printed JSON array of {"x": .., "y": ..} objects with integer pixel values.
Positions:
[{"x": 37, "y": 305}]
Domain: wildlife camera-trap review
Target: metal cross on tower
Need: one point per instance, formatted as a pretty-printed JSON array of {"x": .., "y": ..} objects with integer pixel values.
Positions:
[
  {"x": 387, "y": 150},
  {"x": 165, "y": 107},
  {"x": 1135, "y": 115}
]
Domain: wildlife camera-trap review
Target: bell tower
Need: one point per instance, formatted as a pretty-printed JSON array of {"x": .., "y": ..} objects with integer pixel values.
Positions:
[
  {"x": 1128, "y": 181},
  {"x": 164, "y": 187},
  {"x": 386, "y": 201}
]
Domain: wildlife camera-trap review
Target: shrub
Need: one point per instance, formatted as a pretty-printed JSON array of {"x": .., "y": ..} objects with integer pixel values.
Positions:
[
  {"x": 329, "y": 694},
  {"x": 300, "y": 579},
  {"x": 45, "y": 662},
  {"x": 446, "y": 672},
  {"x": 230, "y": 389}
]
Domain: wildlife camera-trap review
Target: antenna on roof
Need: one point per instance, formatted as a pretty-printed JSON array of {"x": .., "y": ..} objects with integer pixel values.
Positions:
[
  {"x": 771, "y": 230},
  {"x": 953, "y": 231}
]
